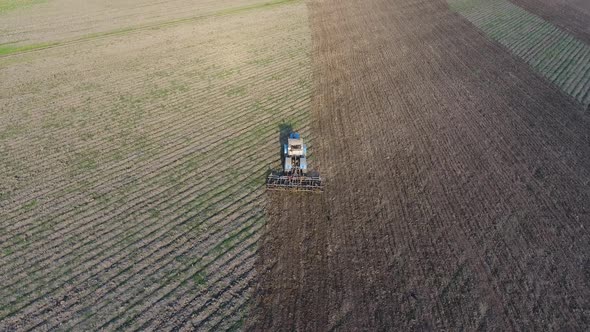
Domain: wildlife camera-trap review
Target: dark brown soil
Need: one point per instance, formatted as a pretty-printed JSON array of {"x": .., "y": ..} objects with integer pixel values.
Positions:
[
  {"x": 570, "y": 15},
  {"x": 457, "y": 192}
]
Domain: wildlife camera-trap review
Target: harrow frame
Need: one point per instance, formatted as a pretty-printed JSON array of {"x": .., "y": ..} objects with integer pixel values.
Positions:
[{"x": 294, "y": 183}]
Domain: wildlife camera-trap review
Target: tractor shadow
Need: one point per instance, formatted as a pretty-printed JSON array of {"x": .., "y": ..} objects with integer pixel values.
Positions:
[{"x": 284, "y": 130}]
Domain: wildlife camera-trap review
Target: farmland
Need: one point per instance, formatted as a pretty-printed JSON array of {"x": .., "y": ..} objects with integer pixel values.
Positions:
[
  {"x": 552, "y": 52},
  {"x": 457, "y": 193},
  {"x": 453, "y": 137},
  {"x": 570, "y": 15},
  {"x": 133, "y": 167}
]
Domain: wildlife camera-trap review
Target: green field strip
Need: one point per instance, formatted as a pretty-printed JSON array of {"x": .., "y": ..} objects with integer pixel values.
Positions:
[
  {"x": 529, "y": 40},
  {"x": 570, "y": 68},
  {"x": 10, "y": 5},
  {"x": 552, "y": 60},
  {"x": 550, "y": 51},
  {"x": 501, "y": 26},
  {"x": 529, "y": 50},
  {"x": 578, "y": 72},
  {"x": 555, "y": 62},
  {"x": 536, "y": 55},
  {"x": 521, "y": 33},
  {"x": 480, "y": 14},
  {"x": 14, "y": 48},
  {"x": 535, "y": 44}
]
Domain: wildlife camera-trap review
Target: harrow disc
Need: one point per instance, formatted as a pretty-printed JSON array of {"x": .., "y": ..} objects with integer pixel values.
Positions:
[{"x": 294, "y": 183}]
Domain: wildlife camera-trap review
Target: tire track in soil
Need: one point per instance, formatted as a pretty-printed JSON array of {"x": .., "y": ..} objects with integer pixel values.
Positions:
[
  {"x": 457, "y": 189},
  {"x": 301, "y": 243}
]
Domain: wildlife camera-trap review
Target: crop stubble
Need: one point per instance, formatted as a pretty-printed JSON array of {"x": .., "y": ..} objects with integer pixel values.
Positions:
[
  {"x": 457, "y": 192},
  {"x": 48, "y": 21},
  {"x": 144, "y": 157}
]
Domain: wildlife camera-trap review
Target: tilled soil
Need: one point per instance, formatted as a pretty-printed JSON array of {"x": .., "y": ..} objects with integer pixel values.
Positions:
[{"x": 457, "y": 192}]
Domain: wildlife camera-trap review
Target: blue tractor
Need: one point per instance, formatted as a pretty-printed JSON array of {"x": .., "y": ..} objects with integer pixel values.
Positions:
[
  {"x": 294, "y": 175},
  {"x": 294, "y": 154}
]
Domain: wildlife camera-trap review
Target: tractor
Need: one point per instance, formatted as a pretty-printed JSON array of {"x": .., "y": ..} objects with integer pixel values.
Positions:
[{"x": 295, "y": 175}]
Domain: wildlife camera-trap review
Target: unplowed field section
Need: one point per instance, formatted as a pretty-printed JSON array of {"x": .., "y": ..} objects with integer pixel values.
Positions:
[
  {"x": 458, "y": 185},
  {"x": 37, "y": 21},
  {"x": 132, "y": 170}
]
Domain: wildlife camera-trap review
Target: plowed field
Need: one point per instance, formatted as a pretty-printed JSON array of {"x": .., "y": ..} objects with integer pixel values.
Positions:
[{"x": 458, "y": 184}]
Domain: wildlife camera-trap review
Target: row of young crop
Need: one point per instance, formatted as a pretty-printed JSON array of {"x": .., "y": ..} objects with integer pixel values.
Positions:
[{"x": 552, "y": 52}]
